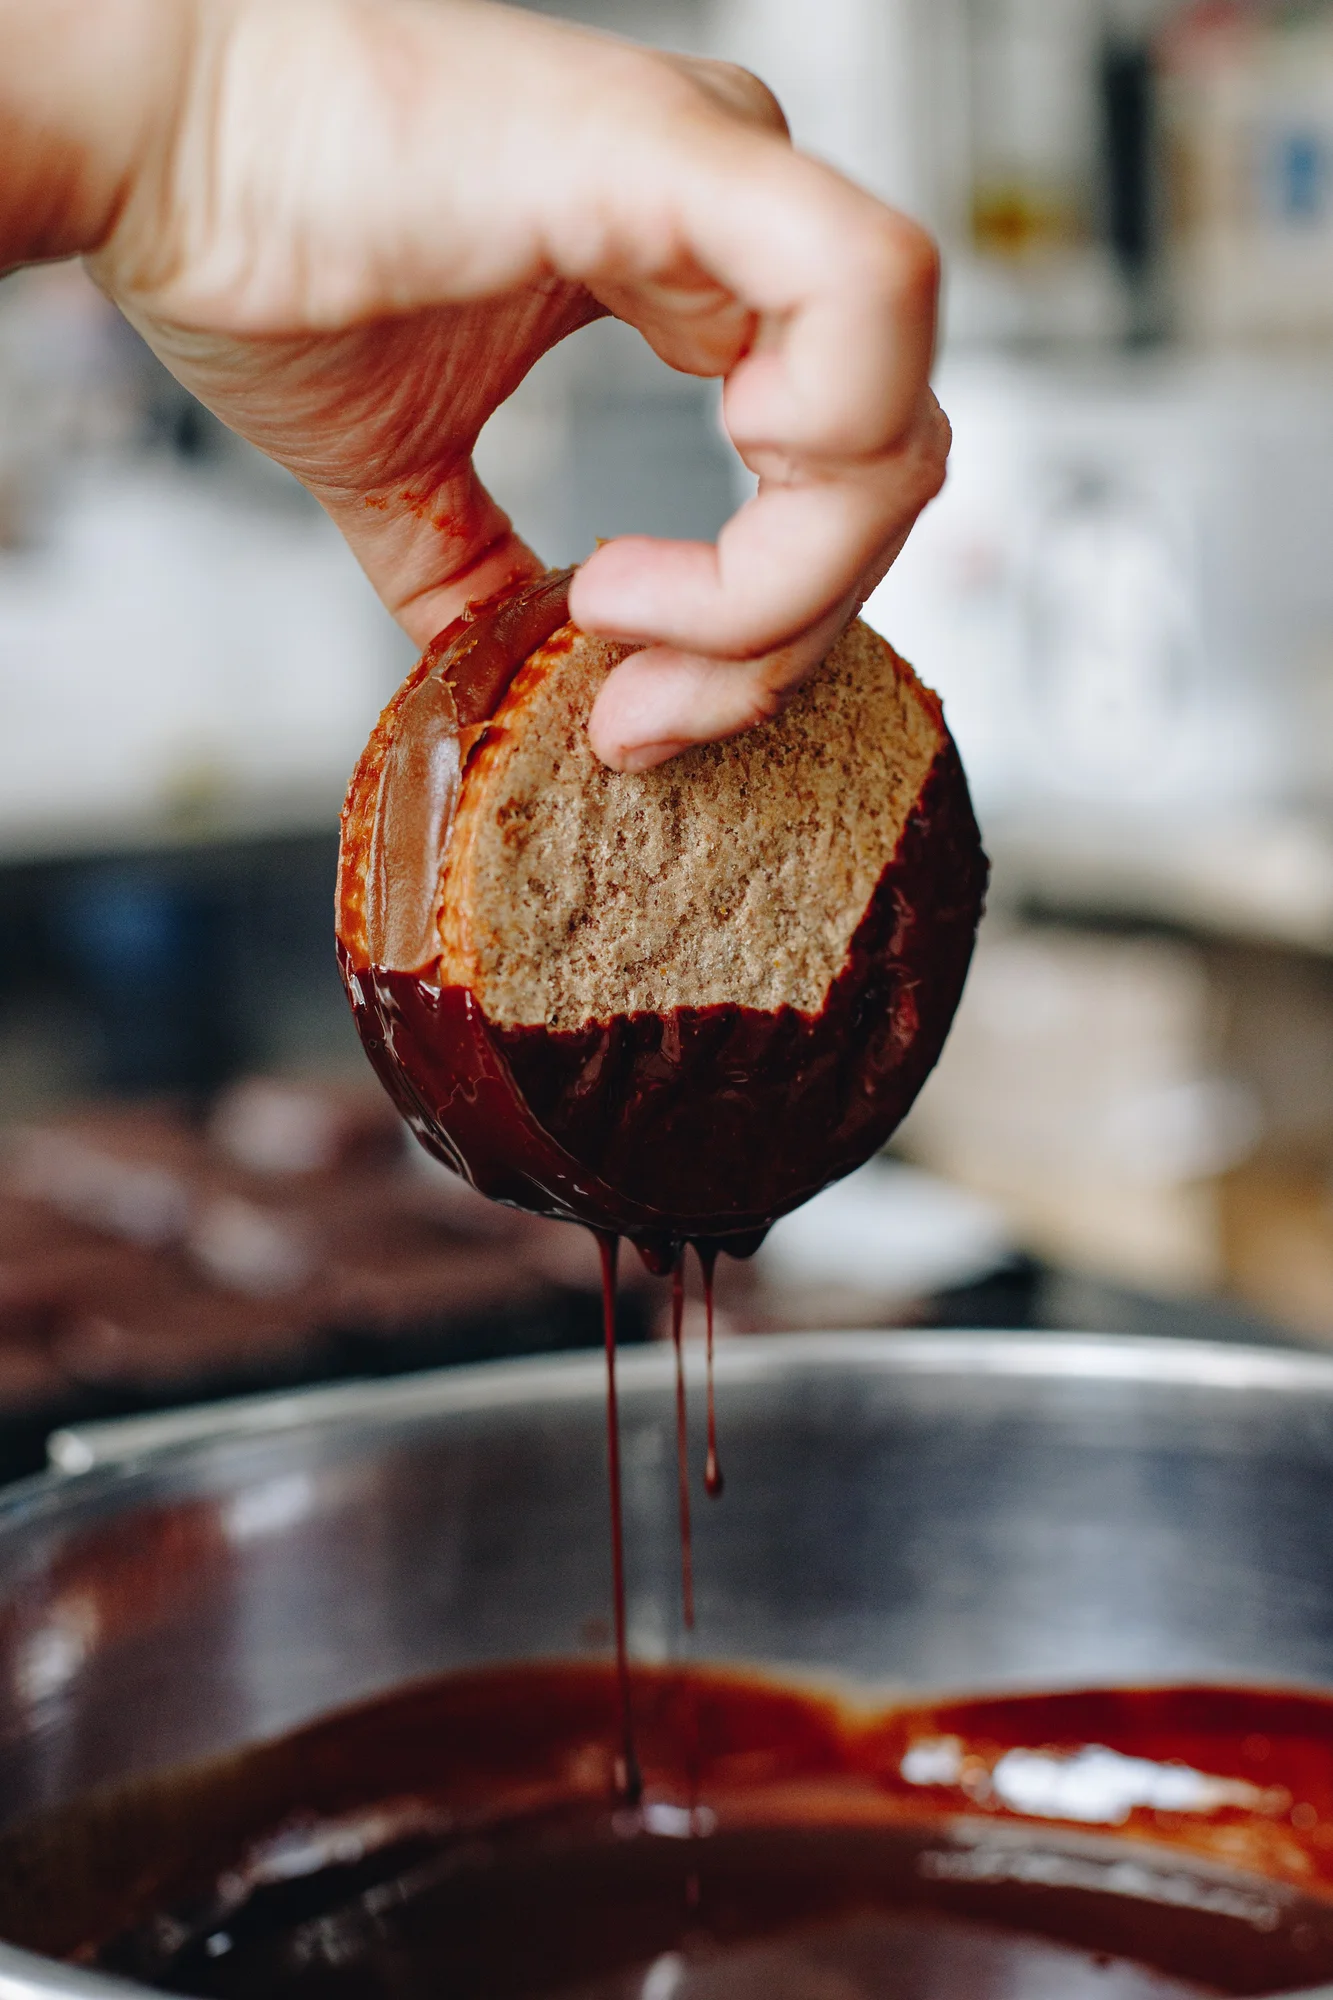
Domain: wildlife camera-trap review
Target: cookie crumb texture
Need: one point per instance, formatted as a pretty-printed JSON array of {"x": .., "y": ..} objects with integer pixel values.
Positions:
[{"x": 735, "y": 875}]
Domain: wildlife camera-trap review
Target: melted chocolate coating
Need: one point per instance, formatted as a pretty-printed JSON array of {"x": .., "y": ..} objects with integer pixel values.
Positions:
[
  {"x": 391, "y": 845},
  {"x": 458, "y": 1838},
  {"x": 700, "y": 1123}
]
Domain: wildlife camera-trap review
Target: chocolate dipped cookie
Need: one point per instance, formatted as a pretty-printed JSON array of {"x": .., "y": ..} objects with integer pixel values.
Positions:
[{"x": 671, "y": 1004}]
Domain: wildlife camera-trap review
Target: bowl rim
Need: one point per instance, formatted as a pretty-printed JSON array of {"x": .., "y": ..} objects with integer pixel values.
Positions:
[{"x": 1149, "y": 1359}]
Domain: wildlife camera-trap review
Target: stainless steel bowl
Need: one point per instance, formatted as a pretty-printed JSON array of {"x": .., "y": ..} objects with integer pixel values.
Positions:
[{"x": 917, "y": 1512}]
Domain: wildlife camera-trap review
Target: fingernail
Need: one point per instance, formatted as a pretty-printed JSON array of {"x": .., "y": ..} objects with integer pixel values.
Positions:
[{"x": 645, "y": 756}]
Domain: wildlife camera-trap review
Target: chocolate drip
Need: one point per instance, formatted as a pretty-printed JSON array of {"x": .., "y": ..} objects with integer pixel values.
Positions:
[
  {"x": 629, "y": 1783},
  {"x": 713, "y": 1480},
  {"x": 682, "y": 1445}
]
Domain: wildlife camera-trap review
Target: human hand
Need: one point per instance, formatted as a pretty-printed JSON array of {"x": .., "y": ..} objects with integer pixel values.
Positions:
[{"x": 358, "y": 223}]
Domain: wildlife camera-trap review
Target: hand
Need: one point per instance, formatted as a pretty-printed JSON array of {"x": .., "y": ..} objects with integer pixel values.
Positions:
[{"x": 352, "y": 226}]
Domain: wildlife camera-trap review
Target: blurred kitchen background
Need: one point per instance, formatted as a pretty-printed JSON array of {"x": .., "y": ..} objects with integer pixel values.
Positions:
[{"x": 1125, "y": 596}]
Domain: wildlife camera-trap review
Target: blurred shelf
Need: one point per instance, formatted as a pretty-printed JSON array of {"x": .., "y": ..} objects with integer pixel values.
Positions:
[
  {"x": 186, "y": 659},
  {"x": 1261, "y": 878}
]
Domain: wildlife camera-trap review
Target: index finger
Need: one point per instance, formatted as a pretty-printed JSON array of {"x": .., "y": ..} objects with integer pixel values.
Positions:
[
  {"x": 664, "y": 698},
  {"x": 843, "y": 291}
]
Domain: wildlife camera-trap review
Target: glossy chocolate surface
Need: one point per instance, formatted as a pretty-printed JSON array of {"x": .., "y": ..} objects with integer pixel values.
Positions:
[
  {"x": 460, "y": 1839},
  {"x": 399, "y": 807}
]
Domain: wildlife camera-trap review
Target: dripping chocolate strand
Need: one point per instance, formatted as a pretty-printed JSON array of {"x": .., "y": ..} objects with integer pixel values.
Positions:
[
  {"x": 713, "y": 1480},
  {"x": 629, "y": 1783},
  {"x": 682, "y": 1442},
  {"x": 690, "y": 1744}
]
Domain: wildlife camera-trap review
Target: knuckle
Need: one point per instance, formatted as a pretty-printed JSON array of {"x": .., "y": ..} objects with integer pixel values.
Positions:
[
  {"x": 933, "y": 451},
  {"x": 751, "y": 96},
  {"x": 772, "y": 685},
  {"x": 731, "y": 88},
  {"x": 755, "y": 701},
  {"x": 933, "y": 475},
  {"x": 928, "y": 455}
]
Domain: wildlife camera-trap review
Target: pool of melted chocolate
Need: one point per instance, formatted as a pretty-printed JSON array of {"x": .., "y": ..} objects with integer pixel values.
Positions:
[{"x": 461, "y": 1839}]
